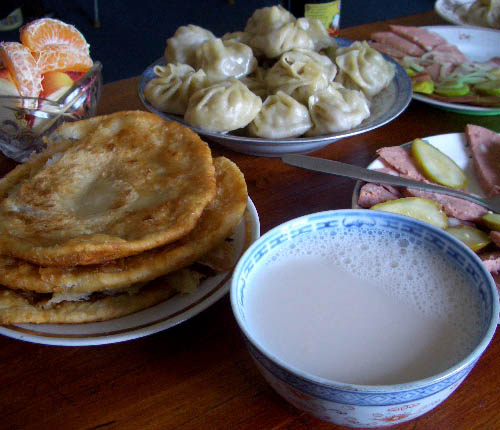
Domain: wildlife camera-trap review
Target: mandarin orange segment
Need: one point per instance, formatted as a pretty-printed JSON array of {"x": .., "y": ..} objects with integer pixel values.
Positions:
[
  {"x": 62, "y": 58},
  {"x": 23, "y": 68},
  {"x": 40, "y": 33}
]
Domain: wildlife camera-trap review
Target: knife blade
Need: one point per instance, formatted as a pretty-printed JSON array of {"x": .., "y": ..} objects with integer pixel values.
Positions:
[{"x": 355, "y": 172}]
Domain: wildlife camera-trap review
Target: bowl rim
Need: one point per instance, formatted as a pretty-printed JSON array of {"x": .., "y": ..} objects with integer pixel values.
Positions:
[{"x": 468, "y": 361}]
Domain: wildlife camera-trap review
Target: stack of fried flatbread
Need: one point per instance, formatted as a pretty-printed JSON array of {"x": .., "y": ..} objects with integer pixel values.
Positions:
[{"x": 119, "y": 213}]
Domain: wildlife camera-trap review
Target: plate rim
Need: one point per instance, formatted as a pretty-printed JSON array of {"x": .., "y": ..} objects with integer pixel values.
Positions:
[{"x": 27, "y": 332}]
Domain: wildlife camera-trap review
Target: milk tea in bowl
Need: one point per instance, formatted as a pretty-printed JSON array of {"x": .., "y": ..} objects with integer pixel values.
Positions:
[{"x": 363, "y": 318}]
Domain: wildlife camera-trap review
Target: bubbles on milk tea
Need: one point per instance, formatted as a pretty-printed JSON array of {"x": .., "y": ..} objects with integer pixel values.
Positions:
[{"x": 404, "y": 266}]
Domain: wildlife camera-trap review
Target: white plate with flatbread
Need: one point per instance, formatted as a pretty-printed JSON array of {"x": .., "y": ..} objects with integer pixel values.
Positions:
[{"x": 162, "y": 316}]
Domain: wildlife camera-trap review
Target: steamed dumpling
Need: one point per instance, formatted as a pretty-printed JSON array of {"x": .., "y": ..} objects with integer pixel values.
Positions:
[
  {"x": 170, "y": 90},
  {"x": 222, "y": 107},
  {"x": 238, "y": 36},
  {"x": 337, "y": 109},
  {"x": 223, "y": 59},
  {"x": 362, "y": 67},
  {"x": 181, "y": 47},
  {"x": 268, "y": 19},
  {"x": 281, "y": 116},
  {"x": 256, "y": 82},
  {"x": 285, "y": 38},
  {"x": 484, "y": 13},
  {"x": 298, "y": 56},
  {"x": 300, "y": 73},
  {"x": 318, "y": 33}
]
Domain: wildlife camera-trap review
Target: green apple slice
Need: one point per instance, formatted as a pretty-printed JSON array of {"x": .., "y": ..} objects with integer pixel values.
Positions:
[
  {"x": 437, "y": 166},
  {"x": 452, "y": 90},
  {"x": 490, "y": 88}
]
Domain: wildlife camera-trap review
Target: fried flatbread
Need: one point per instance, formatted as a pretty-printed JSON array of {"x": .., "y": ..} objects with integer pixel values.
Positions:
[
  {"x": 105, "y": 188},
  {"x": 19, "y": 308},
  {"x": 221, "y": 258},
  {"x": 217, "y": 222}
]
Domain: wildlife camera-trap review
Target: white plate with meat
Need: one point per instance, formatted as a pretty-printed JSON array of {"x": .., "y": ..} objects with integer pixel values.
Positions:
[
  {"x": 454, "y": 145},
  {"x": 478, "y": 44},
  {"x": 455, "y": 59}
]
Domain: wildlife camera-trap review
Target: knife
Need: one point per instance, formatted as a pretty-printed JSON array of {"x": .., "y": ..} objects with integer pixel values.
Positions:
[{"x": 350, "y": 171}]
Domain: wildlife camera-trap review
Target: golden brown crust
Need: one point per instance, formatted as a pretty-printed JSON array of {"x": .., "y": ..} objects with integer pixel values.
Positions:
[
  {"x": 220, "y": 258},
  {"x": 16, "y": 308},
  {"x": 105, "y": 188},
  {"x": 217, "y": 222}
]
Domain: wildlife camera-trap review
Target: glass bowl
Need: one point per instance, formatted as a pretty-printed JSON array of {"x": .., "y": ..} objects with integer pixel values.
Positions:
[{"x": 25, "y": 121}]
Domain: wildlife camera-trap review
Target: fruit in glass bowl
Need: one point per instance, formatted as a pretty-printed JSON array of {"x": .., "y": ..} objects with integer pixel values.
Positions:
[{"x": 46, "y": 79}]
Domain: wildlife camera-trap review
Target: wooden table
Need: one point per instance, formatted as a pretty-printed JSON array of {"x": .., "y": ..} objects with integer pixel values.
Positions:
[{"x": 198, "y": 375}]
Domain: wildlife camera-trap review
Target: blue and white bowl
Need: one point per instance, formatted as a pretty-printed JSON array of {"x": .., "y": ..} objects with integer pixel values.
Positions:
[{"x": 363, "y": 405}]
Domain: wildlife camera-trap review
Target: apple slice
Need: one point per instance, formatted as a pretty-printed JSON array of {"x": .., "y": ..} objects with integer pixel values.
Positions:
[
  {"x": 54, "y": 85},
  {"x": 8, "y": 88},
  {"x": 7, "y": 85}
]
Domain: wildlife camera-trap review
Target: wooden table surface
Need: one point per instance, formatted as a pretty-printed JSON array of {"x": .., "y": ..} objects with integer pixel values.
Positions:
[{"x": 198, "y": 375}]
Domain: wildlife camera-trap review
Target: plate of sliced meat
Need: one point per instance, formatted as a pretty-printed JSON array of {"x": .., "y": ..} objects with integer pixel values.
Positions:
[
  {"x": 477, "y": 153},
  {"x": 455, "y": 68}
]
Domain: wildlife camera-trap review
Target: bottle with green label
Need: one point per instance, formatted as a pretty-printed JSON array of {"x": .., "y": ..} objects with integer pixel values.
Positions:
[{"x": 328, "y": 12}]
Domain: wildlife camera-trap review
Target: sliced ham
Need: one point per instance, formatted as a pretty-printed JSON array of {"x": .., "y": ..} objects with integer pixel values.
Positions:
[
  {"x": 485, "y": 148},
  {"x": 422, "y": 77},
  {"x": 387, "y": 49},
  {"x": 495, "y": 237},
  {"x": 491, "y": 260},
  {"x": 451, "y": 206},
  {"x": 434, "y": 70},
  {"x": 372, "y": 194},
  {"x": 398, "y": 42},
  {"x": 400, "y": 159},
  {"x": 446, "y": 54},
  {"x": 422, "y": 37}
]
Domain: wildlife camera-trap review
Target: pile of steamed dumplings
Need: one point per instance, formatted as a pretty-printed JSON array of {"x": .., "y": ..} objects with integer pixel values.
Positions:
[{"x": 281, "y": 77}]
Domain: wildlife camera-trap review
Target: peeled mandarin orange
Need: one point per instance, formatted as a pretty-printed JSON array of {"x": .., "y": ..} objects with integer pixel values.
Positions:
[
  {"x": 37, "y": 34},
  {"x": 23, "y": 68},
  {"x": 62, "y": 58}
]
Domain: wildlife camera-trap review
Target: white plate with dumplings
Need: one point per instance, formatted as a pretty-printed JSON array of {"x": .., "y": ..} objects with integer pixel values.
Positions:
[
  {"x": 468, "y": 12},
  {"x": 385, "y": 107}
]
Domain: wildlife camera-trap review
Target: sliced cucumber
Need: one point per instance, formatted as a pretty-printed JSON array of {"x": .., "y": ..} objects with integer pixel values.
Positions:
[
  {"x": 424, "y": 87},
  {"x": 491, "y": 220},
  {"x": 415, "y": 207},
  {"x": 410, "y": 72},
  {"x": 452, "y": 90},
  {"x": 491, "y": 88},
  {"x": 437, "y": 166},
  {"x": 474, "y": 238}
]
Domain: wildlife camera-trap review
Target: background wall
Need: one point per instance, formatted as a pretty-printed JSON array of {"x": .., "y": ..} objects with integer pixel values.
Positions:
[{"x": 133, "y": 32}]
